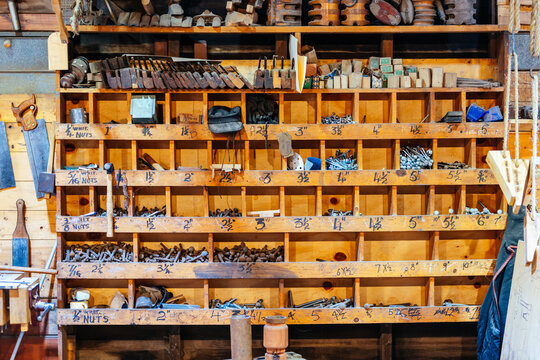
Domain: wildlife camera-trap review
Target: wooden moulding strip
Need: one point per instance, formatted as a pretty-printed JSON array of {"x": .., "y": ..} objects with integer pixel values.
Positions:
[
  {"x": 167, "y": 109},
  {"x": 298, "y": 30},
  {"x": 412, "y": 314},
  {"x": 131, "y": 293},
  {"x": 282, "y": 178},
  {"x": 286, "y": 270},
  {"x": 383, "y": 131},
  {"x": 384, "y": 223}
]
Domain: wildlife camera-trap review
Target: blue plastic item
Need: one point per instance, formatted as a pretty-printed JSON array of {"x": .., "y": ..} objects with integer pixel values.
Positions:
[
  {"x": 474, "y": 113},
  {"x": 493, "y": 114},
  {"x": 313, "y": 163}
]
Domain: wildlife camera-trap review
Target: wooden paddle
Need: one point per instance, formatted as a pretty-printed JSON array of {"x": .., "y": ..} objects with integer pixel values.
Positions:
[{"x": 20, "y": 246}]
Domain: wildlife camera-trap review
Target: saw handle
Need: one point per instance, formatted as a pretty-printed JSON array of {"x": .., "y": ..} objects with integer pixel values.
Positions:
[{"x": 25, "y": 113}]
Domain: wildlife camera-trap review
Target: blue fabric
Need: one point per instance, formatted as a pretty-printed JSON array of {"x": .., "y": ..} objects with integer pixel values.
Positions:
[{"x": 490, "y": 326}]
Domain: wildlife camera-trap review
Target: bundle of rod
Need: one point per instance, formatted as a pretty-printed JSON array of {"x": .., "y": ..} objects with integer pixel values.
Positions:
[
  {"x": 231, "y": 304},
  {"x": 454, "y": 165},
  {"x": 241, "y": 253},
  {"x": 323, "y": 303},
  {"x": 176, "y": 254},
  {"x": 466, "y": 82},
  {"x": 106, "y": 252}
]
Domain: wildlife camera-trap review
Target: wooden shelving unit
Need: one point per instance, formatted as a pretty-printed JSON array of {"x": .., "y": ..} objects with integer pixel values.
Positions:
[{"x": 390, "y": 206}]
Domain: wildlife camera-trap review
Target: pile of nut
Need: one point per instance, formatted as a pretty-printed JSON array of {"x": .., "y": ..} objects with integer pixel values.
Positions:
[
  {"x": 415, "y": 158},
  {"x": 334, "y": 119},
  {"x": 231, "y": 304},
  {"x": 342, "y": 161},
  {"x": 117, "y": 212},
  {"x": 152, "y": 212},
  {"x": 106, "y": 252},
  {"x": 225, "y": 213},
  {"x": 176, "y": 254},
  {"x": 241, "y": 253}
]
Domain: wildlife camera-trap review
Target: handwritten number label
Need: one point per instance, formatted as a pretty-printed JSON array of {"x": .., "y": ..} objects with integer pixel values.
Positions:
[
  {"x": 216, "y": 314},
  {"x": 383, "y": 267},
  {"x": 449, "y": 223},
  {"x": 187, "y": 177},
  {"x": 74, "y": 271},
  {"x": 246, "y": 268},
  {"x": 481, "y": 221},
  {"x": 414, "y": 175},
  {"x": 150, "y": 224},
  {"x": 377, "y": 129},
  {"x": 315, "y": 315},
  {"x": 455, "y": 175},
  {"x": 342, "y": 176},
  {"x": 481, "y": 177},
  {"x": 188, "y": 223},
  {"x": 65, "y": 225},
  {"x": 161, "y": 316},
  {"x": 146, "y": 131},
  {"x": 164, "y": 268},
  {"x": 72, "y": 178},
  {"x": 300, "y": 131},
  {"x": 267, "y": 178},
  {"x": 227, "y": 224},
  {"x": 449, "y": 129},
  {"x": 301, "y": 223},
  {"x": 415, "y": 129},
  {"x": 338, "y": 223},
  {"x": 412, "y": 222},
  {"x": 375, "y": 223},
  {"x": 150, "y": 177},
  {"x": 261, "y": 224},
  {"x": 98, "y": 268},
  {"x": 381, "y": 177},
  {"x": 344, "y": 271},
  {"x": 483, "y": 131},
  {"x": 497, "y": 219},
  {"x": 303, "y": 177},
  {"x": 339, "y": 314},
  {"x": 337, "y": 130}
]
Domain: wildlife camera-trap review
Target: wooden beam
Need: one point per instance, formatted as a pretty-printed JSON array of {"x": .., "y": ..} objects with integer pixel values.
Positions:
[{"x": 30, "y": 22}]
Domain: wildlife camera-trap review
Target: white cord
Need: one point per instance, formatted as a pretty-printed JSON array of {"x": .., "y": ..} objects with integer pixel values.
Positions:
[{"x": 534, "y": 144}]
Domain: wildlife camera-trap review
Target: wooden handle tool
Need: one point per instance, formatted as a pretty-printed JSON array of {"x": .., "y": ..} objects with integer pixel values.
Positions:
[
  {"x": 153, "y": 162},
  {"x": 20, "y": 247},
  {"x": 268, "y": 82},
  {"x": 259, "y": 76},
  {"x": 276, "y": 76}
]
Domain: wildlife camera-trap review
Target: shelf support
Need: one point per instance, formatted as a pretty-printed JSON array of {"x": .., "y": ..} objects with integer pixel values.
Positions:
[
  {"x": 387, "y": 45},
  {"x": 131, "y": 294}
]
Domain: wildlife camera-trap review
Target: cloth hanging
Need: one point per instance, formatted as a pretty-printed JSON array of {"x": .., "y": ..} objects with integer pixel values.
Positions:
[{"x": 492, "y": 318}]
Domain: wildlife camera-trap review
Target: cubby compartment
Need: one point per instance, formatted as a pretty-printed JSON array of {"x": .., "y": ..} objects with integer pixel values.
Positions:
[
  {"x": 264, "y": 155},
  {"x": 80, "y": 153},
  {"x": 377, "y": 155},
  {"x": 300, "y": 108},
  {"x": 340, "y": 104},
  {"x": 151, "y": 198},
  {"x": 224, "y": 198},
  {"x": 445, "y": 102},
  {"x": 153, "y": 240},
  {"x": 338, "y": 199},
  {"x": 191, "y": 154},
  {"x": 226, "y": 99},
  {"x": 228, "y": 152},
  {"x": 448, "y": 200},
  {"x": 119, "y": 153},
  {"x": 187, "y": 201},
  {"x": 77, "y": 201},
  {"x": 112, "y": 108},
  {"x": 346, "y": 149},
  {"x": 156, "y": 153},
  {"x": 452, "y": 150},
  {"x": 341, "y": 246},
  {"x": 76, "y": 101},
  {"x": 262, "y": 199},
  {"x": 468, "y": 245},
  {"x": 374, "y": 108},
  {"x": 470, "y": 290},
  {"x": 246, "y": 291},
  {"x": 489, "y": 195},
  {"x": 412, "y": 107},
  {"x": 305, "y": 148},
  {"x": 192, "y": 290},
  {"x": 375, "y": 200},
  {"x": 262, "y": 109},
  {"x": 485, "y": 100},
  {"x": 483, "y": 146},
  {"x": 80, "y": 250},
  {"x": 101, "y": 292},
  {"x": 300, "y": 201},
  {"x": 422, "y": 147},
  {"x": 307, "y": 290},
  {"x": 392, "y": 246},
  {"x": 391, "y": 291},
  {"x": 187, "y": 108},
  {"x": 412, "y": 200}
]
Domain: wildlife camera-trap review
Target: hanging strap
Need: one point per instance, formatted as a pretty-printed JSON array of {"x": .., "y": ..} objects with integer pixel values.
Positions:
[
  {"x": 512, "y": 249},
  {"x": 534, "y": 144}
]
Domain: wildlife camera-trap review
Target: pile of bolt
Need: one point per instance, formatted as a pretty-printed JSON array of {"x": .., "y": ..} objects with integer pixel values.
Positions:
[
  {"x": 454, "y": 165},
  {"x": 106, "y": 252},
  {"x": 225, "y": 213},
  {"x": 475, "y": 211},
  {"x": 342, "y": 161},
  {"x": 176, "y": 254},
  {"x": 333, "y": 303},
  {"x": 367, "y": 305},
  {"x": 152, "y": 212},
  {"x": 333, "y": 212},
  {"x": 241, "y": 253},
  {"x": 118, "y": 211},
  {"x": 334, "y": 119},
  {"x": 413, "y": 158},
  {"x": 231, "y": 304}
]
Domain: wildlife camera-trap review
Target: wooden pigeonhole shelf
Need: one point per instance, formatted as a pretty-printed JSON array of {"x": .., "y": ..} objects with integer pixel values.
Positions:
[{"x": 397, "y": 249}]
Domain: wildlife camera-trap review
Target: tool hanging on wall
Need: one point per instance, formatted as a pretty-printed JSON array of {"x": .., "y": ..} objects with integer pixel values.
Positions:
[
  {"x": 354, "y": 12},
  {"x": 7, "y": 178},
  {"x": 324, "y": 12},
  {"x": 511, "y": 175},
  {"x": 35, "y": 138},
  {"x": 20, "y": 245}
]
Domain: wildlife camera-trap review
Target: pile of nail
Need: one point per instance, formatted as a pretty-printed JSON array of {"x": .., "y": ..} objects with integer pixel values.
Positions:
[
  {"x": 334, "y": 119},
  {"x": 176, "y": 254},
  {"x": 241, "y": 253},
  {"x": 452, "y": 166},
  {"x": 414, "y": 158},
  {"x": 152, "y": 212},
  {"x": 333, "y": 212},
  {"x": 106, "y": 252},
  {"x": 475, "y": 211},
  {"x": 367, "y": 305},
  {"x": 342, "y": 161},
  {"x": 225, "y": 213},
  {"x": 231, "y": 304},
  {"x": 333, "y": 303}
]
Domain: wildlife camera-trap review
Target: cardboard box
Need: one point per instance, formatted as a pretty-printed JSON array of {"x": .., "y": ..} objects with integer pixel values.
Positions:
[
  {"x": 387, "y": 69},
  {"x": 397, "y": 61},
  {"x": 385, "y": 61},
  {"x": 374, "y": 62}
]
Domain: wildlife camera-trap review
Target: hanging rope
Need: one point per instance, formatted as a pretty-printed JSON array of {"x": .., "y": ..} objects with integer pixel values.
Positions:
[
  {"x": 516, "y": 104},
  {"x": 534, "y": 144},
  {"x": 514, "y": 24},
  {"x": 535, "y": 29}
]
